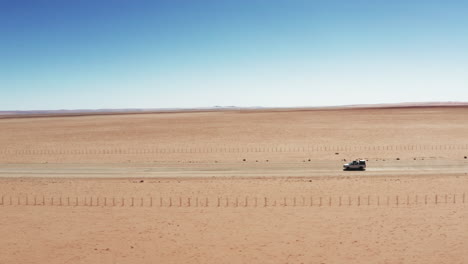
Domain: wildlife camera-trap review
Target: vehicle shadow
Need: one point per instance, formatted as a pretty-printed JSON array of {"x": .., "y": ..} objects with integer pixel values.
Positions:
[{"x": 357, "y": 169}]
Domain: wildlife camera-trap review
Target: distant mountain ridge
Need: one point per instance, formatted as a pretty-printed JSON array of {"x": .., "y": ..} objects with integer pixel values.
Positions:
[{"x": 215, "y": 108}]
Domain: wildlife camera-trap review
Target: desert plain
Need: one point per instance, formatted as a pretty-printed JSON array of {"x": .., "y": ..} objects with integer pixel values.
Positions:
[{"x": 236, "y": 186}]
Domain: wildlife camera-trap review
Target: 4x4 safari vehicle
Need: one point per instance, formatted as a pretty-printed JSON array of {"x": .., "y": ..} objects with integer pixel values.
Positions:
[{"x": 355, "y": 165}]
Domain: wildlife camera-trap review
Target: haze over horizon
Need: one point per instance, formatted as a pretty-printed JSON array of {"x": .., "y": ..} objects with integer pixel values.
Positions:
[{"x": 181, "y": 54}]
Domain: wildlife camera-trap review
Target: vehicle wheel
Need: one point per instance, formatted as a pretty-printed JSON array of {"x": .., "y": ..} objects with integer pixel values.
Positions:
[{"x": 361, "y": 168}]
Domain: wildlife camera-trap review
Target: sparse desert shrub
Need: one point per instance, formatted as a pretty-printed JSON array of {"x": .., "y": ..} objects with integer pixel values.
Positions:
[
  {"x": 244, "y": 160},
  {"x": 337, "y": 153},
  {"x": 397, "y": 158}
]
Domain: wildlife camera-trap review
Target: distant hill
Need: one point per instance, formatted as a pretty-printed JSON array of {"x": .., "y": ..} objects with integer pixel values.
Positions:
[{"x": 80, "y": 112}]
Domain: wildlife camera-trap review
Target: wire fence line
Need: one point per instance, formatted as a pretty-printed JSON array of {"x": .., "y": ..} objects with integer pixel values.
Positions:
[
  {"x": 264, "y": 149},
  {"x": 397, "y": 200}
]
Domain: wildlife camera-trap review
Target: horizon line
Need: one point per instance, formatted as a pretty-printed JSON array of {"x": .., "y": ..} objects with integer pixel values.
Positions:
[{"x": 109, "y": 111}]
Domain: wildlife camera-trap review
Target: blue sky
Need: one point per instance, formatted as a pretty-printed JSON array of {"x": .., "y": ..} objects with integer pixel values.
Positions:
[{"x": 83, "y": 54}]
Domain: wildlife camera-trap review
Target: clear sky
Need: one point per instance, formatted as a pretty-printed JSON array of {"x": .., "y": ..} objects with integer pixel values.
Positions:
[{"x": 57, "y": 54}]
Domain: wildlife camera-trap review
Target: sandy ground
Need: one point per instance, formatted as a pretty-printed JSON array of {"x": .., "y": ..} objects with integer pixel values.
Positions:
[{"x": 174, "y": 187}]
